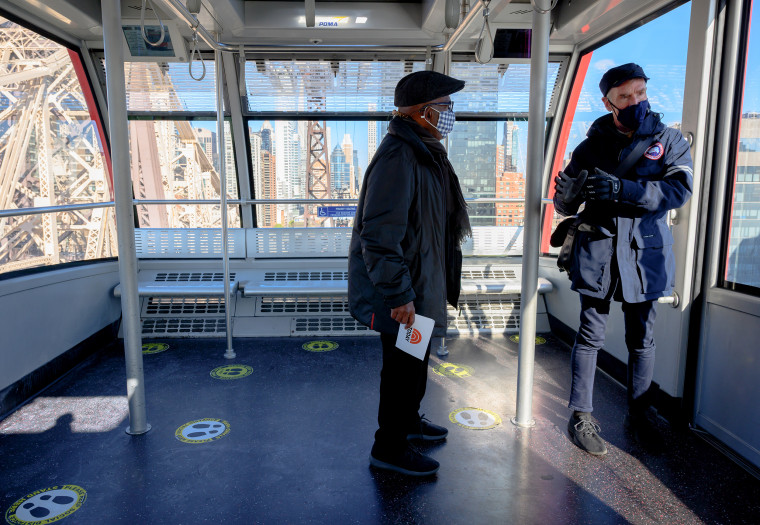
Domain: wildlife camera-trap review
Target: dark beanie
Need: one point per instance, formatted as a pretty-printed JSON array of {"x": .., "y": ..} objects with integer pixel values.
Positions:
[
  {"x": 617, "y": 75},
  {"x": 424, "y": 86}
]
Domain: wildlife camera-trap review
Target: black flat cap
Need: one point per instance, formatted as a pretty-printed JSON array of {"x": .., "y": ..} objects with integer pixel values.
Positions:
[
  {"x": 424, "y": 86},
  {"x": 617, "y": 75}
]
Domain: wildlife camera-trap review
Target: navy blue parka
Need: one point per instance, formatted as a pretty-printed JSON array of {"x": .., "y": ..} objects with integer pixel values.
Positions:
[{"x": 634, "y": 227}]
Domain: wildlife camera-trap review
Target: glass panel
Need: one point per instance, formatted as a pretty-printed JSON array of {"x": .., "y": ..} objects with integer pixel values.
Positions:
[
  {"x": 498, "y": 87},
  {"x": 179, "y": 159},
  {"x": 169, "y": 87},
  {"x": 283, "y": 163},
  {"x": 743, "y": 254},
  {"x": 50, "y": 153},
  {"x": 489, "y": 159},
  {"x": 659, "y": 47},
  {"x": 31, "y": 241},
  {"x": 308, "y": 86}
]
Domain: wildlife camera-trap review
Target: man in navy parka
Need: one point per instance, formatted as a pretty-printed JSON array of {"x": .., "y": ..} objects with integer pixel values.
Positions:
[{"x": 623, "y": 246}]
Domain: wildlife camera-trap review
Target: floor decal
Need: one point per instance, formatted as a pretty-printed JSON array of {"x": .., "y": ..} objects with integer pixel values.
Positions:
[
  {"x": 320, "y": 346},
  {"x": 475, "y": 418},
  {"x": 154, "y": 348},
  {"x": 452, "y": 370},
  {"x": 202, "y": 430},
  {"x": 516, "y": 339},
  {"x": 46, "y": 505},
  {"x": 231, "y": 372}
]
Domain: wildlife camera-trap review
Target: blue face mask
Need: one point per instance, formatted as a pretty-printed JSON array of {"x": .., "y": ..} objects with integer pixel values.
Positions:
[
  {"x": 446, "y": 121},
  {"x": 632, "y": 116}
]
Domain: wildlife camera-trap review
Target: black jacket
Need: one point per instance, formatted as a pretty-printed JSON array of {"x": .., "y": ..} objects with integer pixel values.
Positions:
[
  {"x": 398, "y": 243},
  {"x": 634, "y": 226}
]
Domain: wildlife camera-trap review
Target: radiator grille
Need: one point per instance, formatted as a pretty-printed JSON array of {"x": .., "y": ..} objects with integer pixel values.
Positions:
[
  {"x": 303, "y": 305},
  {"x": 209, "y": 327},
  {"x": 183, "y": 306},
  {"x": 484, "y": 303},
  {"x": 488, "y": 274},
  {"x": 182, "y": 277},
  {"x": 486, "y": 322},
  {"x": 327, "y": 326},
  {"x": 306, "y": 276}
]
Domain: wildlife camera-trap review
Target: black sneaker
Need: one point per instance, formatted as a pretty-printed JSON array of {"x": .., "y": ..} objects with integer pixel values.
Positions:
[
  {"x": 644, "y": 431},
  {"x": 408, "y": 461},
  {"x": 585, "y": 434},
  {"x": 428, "y": 431}
]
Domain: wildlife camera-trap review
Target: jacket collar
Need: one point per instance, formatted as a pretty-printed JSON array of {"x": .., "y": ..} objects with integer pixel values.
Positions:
[
  {"x": 405, "y": 130},
  {"x": 605, "y": 125}
]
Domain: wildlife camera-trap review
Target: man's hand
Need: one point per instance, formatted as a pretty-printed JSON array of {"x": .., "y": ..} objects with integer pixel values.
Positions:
[
  {"x": 567, "y": 187},
  {"x": 603, "y": 186},
  {"x": 404, "y": 314}
]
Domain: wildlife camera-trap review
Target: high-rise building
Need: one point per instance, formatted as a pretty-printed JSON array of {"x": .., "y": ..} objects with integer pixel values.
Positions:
[
  {"x": 371, "y": 140},
  {"x": 290, "y": 171},
  {"x": 511, "y": 146},
  {"x": 267, "y": 133},
  {"x": 340, "y": 172},
  {"x": 510, "y": 185},
  {"x": 500, "y": 166},
  {"x": 230, "y": 171},
  {"x": 472, "y": 152},
  {"x": 268, "y": 216},
  {"x": 207, "y": 140}
]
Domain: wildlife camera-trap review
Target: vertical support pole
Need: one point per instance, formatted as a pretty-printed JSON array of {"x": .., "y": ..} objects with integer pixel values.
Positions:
[
  {"x": 539, "y": 58},
  {"x": 229, "y": 353},
  {"x": 125, "y": 220}
]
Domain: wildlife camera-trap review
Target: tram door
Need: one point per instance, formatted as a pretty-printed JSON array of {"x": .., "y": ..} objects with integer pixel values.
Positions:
[{"x": 727, "y": 385}]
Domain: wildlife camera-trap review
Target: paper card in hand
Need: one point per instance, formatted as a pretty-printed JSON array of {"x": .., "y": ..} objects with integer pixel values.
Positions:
[{"x": 414, "y": 340}]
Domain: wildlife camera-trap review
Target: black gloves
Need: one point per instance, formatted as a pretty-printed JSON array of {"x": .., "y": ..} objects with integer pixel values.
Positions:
[
  {"x": 602, "y": 186},
  {"x": 569, "y": 188}
]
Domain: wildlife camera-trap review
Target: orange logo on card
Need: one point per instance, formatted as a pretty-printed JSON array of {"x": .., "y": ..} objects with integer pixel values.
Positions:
[{"x": 413, "y": 336}]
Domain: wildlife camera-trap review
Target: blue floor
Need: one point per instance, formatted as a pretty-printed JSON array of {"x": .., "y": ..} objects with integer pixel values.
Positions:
[{"x": 289, "y": 443}]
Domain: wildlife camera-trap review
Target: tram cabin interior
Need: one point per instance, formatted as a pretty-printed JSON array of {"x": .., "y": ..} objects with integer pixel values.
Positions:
[{"x": 179, "y": 180}]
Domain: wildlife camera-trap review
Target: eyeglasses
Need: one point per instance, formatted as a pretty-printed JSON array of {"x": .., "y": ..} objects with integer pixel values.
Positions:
[{"x": 449, "y": 105}]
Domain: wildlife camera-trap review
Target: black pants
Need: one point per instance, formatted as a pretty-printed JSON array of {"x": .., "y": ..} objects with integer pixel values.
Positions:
[{"x": 402, "y": 386}]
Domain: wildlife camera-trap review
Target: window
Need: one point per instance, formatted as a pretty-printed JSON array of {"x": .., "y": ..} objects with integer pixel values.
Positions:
[
  {"x": 742, "y": 253},
  {"x": 177, "y": 158},
  {"x": 51, "y": 153},
  {"x": 659, "y": 47}
]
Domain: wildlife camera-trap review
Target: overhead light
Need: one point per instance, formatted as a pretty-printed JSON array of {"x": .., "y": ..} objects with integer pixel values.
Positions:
[{"x": 361, "y": 19}]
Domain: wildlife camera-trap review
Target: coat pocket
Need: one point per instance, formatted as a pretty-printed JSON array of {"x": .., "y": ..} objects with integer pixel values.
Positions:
[
  {"x": 593, "y": 252},
  {"x": 654, "y": 257}
]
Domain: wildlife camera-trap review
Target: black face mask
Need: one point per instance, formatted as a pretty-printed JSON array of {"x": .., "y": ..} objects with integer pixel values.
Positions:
[{"x": 632, "y": 116}]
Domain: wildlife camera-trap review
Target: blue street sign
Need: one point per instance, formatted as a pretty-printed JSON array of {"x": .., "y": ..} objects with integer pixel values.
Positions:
[{"x": 336, "y": 211}]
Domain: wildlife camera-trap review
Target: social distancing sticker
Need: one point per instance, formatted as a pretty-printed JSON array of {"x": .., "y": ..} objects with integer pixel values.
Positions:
[
  {"x": 452, "y": 370},
  {"x": 154, "y": 348},
  {"x": 202, "y": 430},
  {"x": 320, "y": 346},
  {"x": 46, "y": 505},
  {"x": 228, "y": 372},
  {"x": 475, "y": 418},
  {"x": 516, "y": 339}
]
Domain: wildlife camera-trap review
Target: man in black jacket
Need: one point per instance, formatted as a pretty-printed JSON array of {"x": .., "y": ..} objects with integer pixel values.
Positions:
[
  {"x": 405, "y": 257},
  {"x": 623, "y": 246}
]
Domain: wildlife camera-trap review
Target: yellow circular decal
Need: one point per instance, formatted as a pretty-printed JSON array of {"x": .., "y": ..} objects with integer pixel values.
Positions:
[
  {"x": 154, "y": 348},
  {"x": 320, "y": 346},
  {"x": 475, "y": 418},
  {"x": 516, "y": 339},
  {"x": 452, "y": 370},
  {"x": 202, "y": 430},
  {"x": 231, "y": 372},
  {"x": 46, "y": 505}
]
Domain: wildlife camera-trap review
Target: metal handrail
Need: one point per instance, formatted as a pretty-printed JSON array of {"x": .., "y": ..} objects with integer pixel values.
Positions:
[{"x": 232, "y": 202}]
